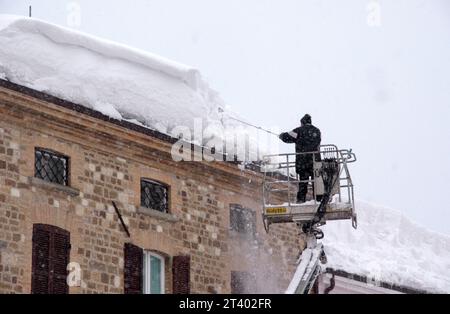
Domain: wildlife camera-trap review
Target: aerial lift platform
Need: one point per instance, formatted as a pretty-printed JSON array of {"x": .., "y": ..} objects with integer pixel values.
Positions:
[{"x": 331, "y": 193}]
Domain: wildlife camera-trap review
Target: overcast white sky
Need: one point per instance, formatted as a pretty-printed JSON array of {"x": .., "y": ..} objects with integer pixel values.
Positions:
[{"x": 382, "y": 90}]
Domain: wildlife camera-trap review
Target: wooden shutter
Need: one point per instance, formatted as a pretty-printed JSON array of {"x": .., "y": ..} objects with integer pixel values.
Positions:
[
  {"x": 59, "y": 261},
  {"x": 132, "y": 274},
  {"x": 40, "y": 272},
  {"x": 50, "y": 256},
  {"x": 181, "y": 271}
]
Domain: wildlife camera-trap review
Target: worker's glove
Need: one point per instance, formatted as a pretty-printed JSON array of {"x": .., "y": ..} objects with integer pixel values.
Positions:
[{"x": 280, "y": 136}]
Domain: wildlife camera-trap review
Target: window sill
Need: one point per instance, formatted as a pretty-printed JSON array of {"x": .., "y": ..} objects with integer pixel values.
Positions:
[
  {"x": 157, "y": 214},
  {"x": 53, "y": 186},
  {"x": 243, "y": 235}
]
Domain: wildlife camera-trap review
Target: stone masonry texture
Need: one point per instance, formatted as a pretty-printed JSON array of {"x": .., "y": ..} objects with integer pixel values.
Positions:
[{"x": 107, "y": 162}]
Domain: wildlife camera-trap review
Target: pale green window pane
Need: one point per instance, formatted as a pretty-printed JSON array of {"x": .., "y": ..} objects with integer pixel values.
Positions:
[{"x": 155, "y": 271}]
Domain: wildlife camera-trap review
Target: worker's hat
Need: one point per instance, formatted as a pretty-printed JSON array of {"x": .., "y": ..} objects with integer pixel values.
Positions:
[{"x": 306, "y": 119}]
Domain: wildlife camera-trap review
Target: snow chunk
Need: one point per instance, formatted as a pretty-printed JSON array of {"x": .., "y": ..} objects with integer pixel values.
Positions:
[{"x": 107, "y": 109}]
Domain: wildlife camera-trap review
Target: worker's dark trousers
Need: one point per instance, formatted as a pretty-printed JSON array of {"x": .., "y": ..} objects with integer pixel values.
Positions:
[{"x": 304, "y": 174}]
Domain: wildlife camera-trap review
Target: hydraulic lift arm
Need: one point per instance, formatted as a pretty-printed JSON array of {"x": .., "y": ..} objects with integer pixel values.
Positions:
[{"x": 308, "y": 268}]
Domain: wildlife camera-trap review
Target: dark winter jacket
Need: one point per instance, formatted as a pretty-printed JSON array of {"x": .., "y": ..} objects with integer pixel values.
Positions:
[{"x": 307, "y": 139}]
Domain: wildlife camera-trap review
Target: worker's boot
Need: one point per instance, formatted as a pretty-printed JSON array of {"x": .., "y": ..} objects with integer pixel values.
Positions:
[{"x": 301, "y": 199}]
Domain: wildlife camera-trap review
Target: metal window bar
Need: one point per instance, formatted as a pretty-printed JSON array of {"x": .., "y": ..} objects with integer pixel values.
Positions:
[
  {"x": 154, "y": 195},
  {"x": 242, "y": 220},
  {"x": 51, "y": 166}
]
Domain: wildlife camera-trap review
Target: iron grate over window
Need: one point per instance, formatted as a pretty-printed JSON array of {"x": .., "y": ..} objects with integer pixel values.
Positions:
[
  {"x": 242, "y": 220},
  {"x": 154, "y": 195},
  {"x": 51, "y": 166}
]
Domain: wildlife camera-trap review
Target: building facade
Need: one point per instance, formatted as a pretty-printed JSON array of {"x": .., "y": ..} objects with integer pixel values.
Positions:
[{"x": 89, "y": 204}]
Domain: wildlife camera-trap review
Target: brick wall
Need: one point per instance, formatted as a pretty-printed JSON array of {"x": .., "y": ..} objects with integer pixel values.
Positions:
[{"x": 106, "y": 164}]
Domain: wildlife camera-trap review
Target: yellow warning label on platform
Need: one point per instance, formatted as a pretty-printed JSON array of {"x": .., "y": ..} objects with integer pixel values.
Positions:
[{"x": 276, "y": 210}]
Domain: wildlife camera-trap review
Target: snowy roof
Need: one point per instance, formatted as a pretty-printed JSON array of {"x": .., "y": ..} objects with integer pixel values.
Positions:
[
  {"x": 389, "y": 247},
  {"x": 119, "y": 81}
]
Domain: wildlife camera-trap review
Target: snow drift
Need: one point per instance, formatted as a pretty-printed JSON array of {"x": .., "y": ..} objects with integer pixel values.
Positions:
[
  {"x": 119, "y": 81},
  {"x": 389, "y": 247}
]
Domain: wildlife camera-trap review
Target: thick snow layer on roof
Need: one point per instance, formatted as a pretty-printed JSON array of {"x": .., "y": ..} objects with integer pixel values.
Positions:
[
  {"x": 117, "y": 80},
  {"x": 389, "y": 247}
]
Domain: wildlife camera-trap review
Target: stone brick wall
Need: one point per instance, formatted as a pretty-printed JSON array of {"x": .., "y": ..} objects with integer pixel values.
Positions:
[{"x": 107, "y": 163}]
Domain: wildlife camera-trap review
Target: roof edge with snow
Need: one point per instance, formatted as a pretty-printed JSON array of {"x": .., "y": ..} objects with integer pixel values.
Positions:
[
  {"x": 85, "y": 110},
  {"x": 382, "y": 284},
  {"x": 99, "y": 115}
]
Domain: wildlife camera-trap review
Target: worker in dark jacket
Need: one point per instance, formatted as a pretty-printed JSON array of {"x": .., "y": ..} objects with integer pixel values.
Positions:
[{"x": 307, "y": 139}]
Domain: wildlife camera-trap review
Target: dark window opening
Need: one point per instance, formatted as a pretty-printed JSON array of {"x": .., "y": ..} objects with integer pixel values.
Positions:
[
  {"x": 51, "y": 166},
  {"x": 154, "y": 195},
  {"x": 242, "y": 220},
  {"x": 242, "y": 282}
]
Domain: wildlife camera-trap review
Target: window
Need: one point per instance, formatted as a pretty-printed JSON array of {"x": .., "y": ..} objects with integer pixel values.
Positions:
[
  {"x": 144, "y": 272},
  {"x": 242, "y": 282},
  {"x": 242, "y": 220},
  {"x": 50, "y": 256},
  {"x": 153, "y": 273},
  {"x": 51, "y": 166},
  {"x": 154, "y": 195}
]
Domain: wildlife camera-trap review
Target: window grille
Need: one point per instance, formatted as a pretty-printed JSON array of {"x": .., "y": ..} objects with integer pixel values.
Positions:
[
  {"x": 51, "y": 166},
  {"x": 242, "y": 220},
  {"x": 154, "y": 195}
]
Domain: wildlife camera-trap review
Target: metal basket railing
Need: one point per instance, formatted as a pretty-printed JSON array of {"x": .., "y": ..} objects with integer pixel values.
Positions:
[{"x": 281, "y": 180}]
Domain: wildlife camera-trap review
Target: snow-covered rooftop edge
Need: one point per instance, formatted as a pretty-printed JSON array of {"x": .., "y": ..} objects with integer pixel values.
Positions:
[
  {"x": 119, "y": 81},
  {"x": 389, "y": 247}
]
